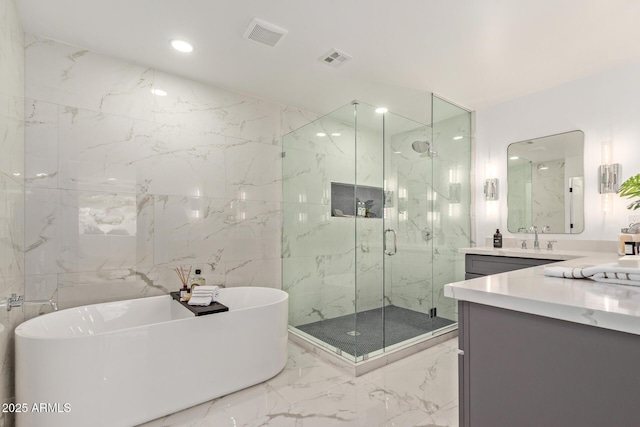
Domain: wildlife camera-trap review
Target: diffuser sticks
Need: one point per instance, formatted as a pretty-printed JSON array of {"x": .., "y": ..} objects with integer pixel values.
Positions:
[{"x": 183, "y": 278}]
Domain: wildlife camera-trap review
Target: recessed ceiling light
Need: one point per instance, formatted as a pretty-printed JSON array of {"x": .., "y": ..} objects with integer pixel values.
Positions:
[
  {"x": 336, "y": 134},
  {"x": 457, "y": 137},
  {"x": 158, "y": 92},
  {"x": 381, "y": 110},
  {"x": 16, "y": 174},
  {"x": 181, "y": 46},
  {"x": 321, "y": 134},
  {"x": 514, "y": 158}
]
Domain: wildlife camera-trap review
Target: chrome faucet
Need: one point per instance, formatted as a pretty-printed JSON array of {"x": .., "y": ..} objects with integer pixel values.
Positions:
[
  {"x": 536, "y": 242},
  {"x": 19, "y": 301}
]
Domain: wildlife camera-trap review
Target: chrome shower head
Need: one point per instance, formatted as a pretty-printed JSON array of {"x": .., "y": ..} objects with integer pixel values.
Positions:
[{"x": 421, "y": 146}]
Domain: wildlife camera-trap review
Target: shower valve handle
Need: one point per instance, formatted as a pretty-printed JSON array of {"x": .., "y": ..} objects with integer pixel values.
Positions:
[{"x": 395, "y": 242}]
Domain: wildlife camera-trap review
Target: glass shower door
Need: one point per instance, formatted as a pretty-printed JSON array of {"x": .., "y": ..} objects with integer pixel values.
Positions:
[{"x": 410, "y": 211}]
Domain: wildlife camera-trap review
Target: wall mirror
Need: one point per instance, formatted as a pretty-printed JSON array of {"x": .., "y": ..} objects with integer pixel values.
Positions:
[{"x": 545, "y": 180}]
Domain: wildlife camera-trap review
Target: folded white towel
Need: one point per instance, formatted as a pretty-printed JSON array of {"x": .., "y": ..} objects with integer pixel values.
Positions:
[
  {"x": 206, "y": 290},
  {"x": 605, "y": 273},
  {"x": 204, "y": 295},
  {"x": 200, "y": 300}
]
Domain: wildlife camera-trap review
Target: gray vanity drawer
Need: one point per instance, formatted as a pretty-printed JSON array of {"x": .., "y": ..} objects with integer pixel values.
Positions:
[{"x": 484, "y": 265}]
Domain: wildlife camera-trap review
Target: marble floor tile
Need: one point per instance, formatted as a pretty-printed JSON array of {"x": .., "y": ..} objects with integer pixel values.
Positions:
[
  {"x": 418, "y": 391},
  {"x": 305, "y": 376}
]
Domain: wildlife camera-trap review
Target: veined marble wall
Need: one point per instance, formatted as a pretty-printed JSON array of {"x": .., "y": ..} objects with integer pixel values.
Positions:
[
  {"x": 320, "y": 260},
  {"x": 11, "y": 188},
  {"x": 123, "y": 185}
]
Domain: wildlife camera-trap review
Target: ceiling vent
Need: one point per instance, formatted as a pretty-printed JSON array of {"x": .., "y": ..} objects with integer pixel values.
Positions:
[
  {"x": 334, "y": 57},
  {"x": 264, "y": 32}
]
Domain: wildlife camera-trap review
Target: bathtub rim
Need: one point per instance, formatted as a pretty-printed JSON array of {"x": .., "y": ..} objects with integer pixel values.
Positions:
[{"x": 20, "y": 334}]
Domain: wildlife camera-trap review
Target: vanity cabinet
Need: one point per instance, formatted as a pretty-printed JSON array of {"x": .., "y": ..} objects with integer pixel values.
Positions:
[
  {"x": 519, "y": 369},
  {"x": 484, "y": 265}
]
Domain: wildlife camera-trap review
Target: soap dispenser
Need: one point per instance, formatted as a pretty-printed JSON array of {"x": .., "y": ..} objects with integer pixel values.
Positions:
[
  {"x": 197, "y": 280},
  {"x": 497, "y": 239}
]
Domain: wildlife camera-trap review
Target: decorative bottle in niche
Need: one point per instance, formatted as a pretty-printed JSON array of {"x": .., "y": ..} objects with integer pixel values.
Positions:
[
  {"x": 497, "y": 239},
  {"x": 197, "y": 280}
]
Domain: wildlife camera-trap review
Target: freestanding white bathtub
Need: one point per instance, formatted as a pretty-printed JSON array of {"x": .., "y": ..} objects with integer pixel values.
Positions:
[{"x": 124, "y": 363}]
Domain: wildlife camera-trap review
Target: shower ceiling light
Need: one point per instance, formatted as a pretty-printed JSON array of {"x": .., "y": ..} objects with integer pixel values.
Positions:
[
  {"x": 336, "y": 134},
  {"x": 321, "y": 134},
  {"x": 381, "y": 110},
  {"x": 455, "y": 138},
  {"x": 514, "y": 158},
  {"x": 158, "y": 92},
  {"x": 181, "y": 46}
]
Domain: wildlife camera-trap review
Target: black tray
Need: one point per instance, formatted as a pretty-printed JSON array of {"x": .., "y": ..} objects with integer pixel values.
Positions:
[{"x": 201, "y": 310}]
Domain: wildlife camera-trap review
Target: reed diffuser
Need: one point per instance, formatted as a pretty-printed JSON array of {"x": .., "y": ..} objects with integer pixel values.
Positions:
[{"x": 184, "y": 291}]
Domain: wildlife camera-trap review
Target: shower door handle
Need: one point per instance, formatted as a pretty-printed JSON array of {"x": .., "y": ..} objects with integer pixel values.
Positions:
[{"x": 395, "y": 242}]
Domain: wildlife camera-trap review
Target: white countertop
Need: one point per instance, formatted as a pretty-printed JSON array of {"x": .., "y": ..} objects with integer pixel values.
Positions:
[{"x": 583, "y": 301}]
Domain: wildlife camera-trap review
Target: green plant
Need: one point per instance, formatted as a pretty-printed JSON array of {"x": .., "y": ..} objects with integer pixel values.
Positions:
[{"x": 631, "y": 188}]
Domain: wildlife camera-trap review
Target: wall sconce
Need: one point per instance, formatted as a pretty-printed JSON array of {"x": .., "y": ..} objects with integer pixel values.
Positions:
[
  {"x": 491, "y": 189},
  {"x": 608, "y": 177}
]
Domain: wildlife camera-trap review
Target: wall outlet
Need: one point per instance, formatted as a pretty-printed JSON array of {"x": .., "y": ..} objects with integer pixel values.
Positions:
[{"x": 633, "y": 219}]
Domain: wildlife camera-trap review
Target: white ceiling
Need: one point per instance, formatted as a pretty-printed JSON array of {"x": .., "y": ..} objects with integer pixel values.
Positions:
[{"x": 473, "y": 52}]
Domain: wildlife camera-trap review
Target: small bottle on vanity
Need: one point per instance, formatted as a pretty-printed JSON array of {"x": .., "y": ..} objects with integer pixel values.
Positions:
[
  {"x": 197, "y": 280},
  {"x": 497, "y": 239}
]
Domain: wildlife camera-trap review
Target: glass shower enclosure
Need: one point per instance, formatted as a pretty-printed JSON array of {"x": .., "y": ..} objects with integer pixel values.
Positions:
[{"x": 375, "y": 207}]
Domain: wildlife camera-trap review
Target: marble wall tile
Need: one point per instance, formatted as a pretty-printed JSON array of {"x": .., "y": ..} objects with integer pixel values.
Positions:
[
  {"x": 304, "y": 177},
  {"x": 72, "y": 231},
  {"x": 199, "y": 106},
  {"x": 11, "y": 229},
  {"x": 210, "y": 231},
  {"x": 75, "y": 289},
  {"x": 294, "y": 118},
  {"x": 11, "y": 51},
  {"x": 111, "y": 153},
  {"x": 73, "y": 76},
  {"x": 12, "y": 207},
  {"x": 40, "y": 287},
  {"x": 338, "y": 139},
  {"x": 12, "y": 137},
  {"x": 254, "y": 171},
  {"x": 201, "y": 166},
  {"x": 41, "y": 144},
  {"x": 256, "y": 272}
]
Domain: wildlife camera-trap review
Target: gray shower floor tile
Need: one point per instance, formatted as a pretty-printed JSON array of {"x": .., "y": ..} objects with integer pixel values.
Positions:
[{"x": 400, "y": 324}]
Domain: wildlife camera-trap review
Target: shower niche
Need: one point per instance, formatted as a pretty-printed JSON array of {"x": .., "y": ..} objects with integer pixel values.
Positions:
[
  {"x": 369, "y": 286},
  {"x": 348, "y": 200}
]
